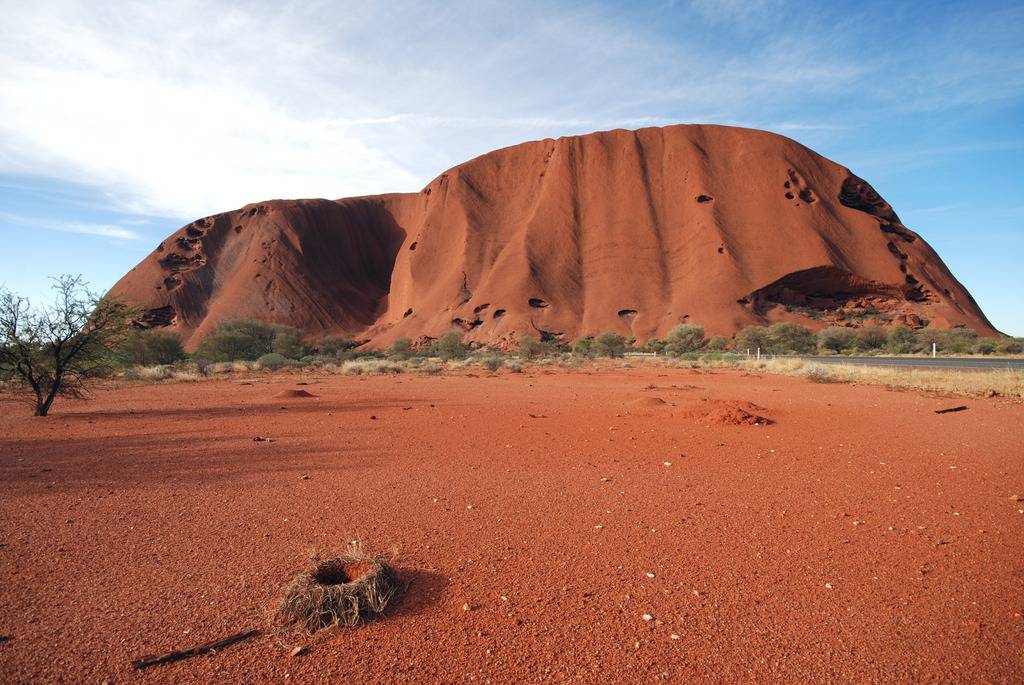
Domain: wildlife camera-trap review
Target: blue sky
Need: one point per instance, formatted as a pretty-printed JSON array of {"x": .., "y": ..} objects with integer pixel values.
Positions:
[{"x": 121, "y": 122}]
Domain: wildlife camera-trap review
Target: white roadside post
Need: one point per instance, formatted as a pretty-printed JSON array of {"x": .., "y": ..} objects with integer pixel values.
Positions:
[{"x": 933, "y": 350}]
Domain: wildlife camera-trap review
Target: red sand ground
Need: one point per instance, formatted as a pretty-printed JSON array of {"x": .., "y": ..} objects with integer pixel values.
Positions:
[
  {"x": 627, "y": 231},
  {"x": 861, "y": 537}
]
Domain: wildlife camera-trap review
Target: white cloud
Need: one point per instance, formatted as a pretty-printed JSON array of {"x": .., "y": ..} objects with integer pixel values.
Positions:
[
  {"x": 103, "y": 230},
  {"x": 189, "y": 108}
]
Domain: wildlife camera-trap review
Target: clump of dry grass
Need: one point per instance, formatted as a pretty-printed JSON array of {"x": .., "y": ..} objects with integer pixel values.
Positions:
[
  {"x": 371, "y": 366},
  {"x": 340, "y": 591},
  {"x": 431, "y": 368},
  {"x": 816, "y": 373},
  {"x": 157, "y": 372},
  {"x": 951, "y": 381}
]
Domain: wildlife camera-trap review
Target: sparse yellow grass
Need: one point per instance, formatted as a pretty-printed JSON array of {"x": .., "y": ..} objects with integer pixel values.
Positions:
[{"x": 951, "y": 381}]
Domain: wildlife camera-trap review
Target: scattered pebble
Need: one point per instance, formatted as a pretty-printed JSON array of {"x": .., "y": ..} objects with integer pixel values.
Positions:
[
  {"x": 466, "y": 607},
  {"x": 668, "y": 463},
  {"x": 298, "y": 651},
  {"x": 647, "y": 617},
  {"x": 650, "y": 575},
  {"x": 674, "y": 636},
  {"x": 304, "y": 477},
  {"x": 828, "y": 586}
]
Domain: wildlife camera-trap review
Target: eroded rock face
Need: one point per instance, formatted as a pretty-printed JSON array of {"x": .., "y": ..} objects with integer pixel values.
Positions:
[{"x": 628, "y": 231}]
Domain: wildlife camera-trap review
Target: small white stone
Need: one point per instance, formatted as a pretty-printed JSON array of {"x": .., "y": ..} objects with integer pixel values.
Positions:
[
  {"x": 650, "y": 575},
  {"x": 674, "y": 636},
  {"x": 828, "y": 586},
  {"x": 647, "y": 617}
]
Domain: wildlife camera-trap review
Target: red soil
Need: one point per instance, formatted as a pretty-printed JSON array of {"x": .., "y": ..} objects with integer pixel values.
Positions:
[
  {"x": 291, "y": 393},
  {"x": 860, "y": 538},
  {"x": 727, "y": 413},
  {"x": 628, "y": 231}
]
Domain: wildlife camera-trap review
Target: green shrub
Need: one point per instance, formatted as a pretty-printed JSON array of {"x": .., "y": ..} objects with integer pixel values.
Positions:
[
  {"x": 151, "y": 347},
  {"x": 609, "y": 345},
  {"x": 871, "y": 338},
  {"x": 655, "y": 345},
  {"x": 249, "y": 340},
  {"x": 530, "y": 347},
  {"x": 583, "y": 347},
  {"x": 948, "y": 340},
  {"x": 229, "y": 345},
  {"x": 986, "y": 346},
  {"x": 684, "y": 338},
  {"x": 401, "y": 349},
  {"x": 289, "y": 342},
  {"x": 449, "y": 346},
  {"x": 493, "y": 362},
  {"x": 751, "y": 338},
  {"x": 1011, "y": 346},
  {"x": 790, "y": 338},
  {"x": 836, "y": 339},
  {"x": 901, "y": 340},
  {"x": 717, "y": 344},
  {"x": 274, "y": 361},
  {"x": 333, "y": 345}
]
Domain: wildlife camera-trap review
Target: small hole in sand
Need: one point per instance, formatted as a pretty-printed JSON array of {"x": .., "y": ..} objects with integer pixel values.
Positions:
[
  {"x": 627, "y": 313},
  {"x": 408, "y": 313},
  {"x": 412, "y": 248},
  {"x": 704, "y": 198},
  {"x": 340, "y": 573},
  {"x": 537, "y": 303},
  {"x": 498, "y": 313}
]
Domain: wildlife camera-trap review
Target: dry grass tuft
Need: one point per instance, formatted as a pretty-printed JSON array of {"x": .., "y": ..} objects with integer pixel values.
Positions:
[
  {"x": 816, "y": 373},
  {"x": 341, "y": 591},
  {"x": 371, "y": 366}
]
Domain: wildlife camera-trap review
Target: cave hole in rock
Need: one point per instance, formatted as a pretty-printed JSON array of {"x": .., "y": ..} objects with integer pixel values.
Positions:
[
  {"x": 823, "y": 287},
  {"x": 537, "y": 303}
]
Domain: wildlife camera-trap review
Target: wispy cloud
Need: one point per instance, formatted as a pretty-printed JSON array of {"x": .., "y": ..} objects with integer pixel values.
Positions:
[
  {"x": 320, "y": 99},
  {"x": 100, "y": 230}
]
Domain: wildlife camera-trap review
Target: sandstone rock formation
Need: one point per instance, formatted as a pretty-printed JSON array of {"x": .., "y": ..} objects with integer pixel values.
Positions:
[{"x": 628, "y": 231}]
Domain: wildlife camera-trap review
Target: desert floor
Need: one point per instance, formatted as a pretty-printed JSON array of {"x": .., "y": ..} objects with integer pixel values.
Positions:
[{"x": 860, "y": 537}]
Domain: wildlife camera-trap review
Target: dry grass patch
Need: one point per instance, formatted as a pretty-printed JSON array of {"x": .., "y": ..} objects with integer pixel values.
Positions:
[
  {"x": 340, "y": 591},
  {"x": 950, "y": 381}
]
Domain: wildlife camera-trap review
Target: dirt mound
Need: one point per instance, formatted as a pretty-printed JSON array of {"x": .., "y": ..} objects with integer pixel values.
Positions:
[
  {"x": 647, "y": 403},
  {"x": 730, "y": 413},
  {"x": 627, "y": 231},
  {"x": 294, "y": 393}
]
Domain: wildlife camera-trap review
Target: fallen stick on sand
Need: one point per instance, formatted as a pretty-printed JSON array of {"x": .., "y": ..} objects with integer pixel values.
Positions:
[
  {"x": 951, "y": 409},
  {"x": 147, "y": 661}
]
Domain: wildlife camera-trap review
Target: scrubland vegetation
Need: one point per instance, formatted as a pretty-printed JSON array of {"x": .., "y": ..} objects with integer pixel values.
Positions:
[{"x": 247, "y": 346}]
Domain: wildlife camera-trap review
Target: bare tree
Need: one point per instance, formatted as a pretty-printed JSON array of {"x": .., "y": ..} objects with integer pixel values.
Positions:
[{"x": 54, "y": 350}]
